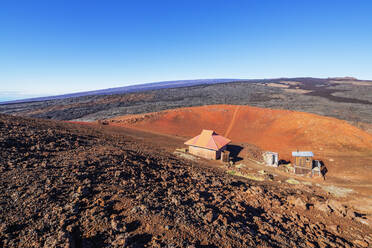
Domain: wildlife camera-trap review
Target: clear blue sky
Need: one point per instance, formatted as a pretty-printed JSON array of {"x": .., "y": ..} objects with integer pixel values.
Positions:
[{"x": 51, "y": 47}]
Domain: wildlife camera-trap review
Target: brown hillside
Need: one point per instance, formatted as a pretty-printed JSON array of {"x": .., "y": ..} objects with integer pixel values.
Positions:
[{"x": 73, "y": 185}]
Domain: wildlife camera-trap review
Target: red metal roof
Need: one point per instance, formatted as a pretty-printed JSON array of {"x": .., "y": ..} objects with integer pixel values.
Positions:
[{"x": 208, "y": 139}]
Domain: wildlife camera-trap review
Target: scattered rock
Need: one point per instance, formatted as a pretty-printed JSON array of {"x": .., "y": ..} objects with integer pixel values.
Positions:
[
  {"x": 310, "y": 244},
  {"x": 351, "y": 214},
  {"x": 334, "y": 228},
  {"x": 208, "y": 217},
  {"x": 322, "y": 206},
  {"x": 361, "y": 243},
  {"x": 115, "y": 225},
  {"x": 337, "y": 207},
  {"x": 120, "y": 240},
  {"x": 363, "y": 221},
  {"x": 296, "y": 201},
  {"x": 256, "y": 190},
  {"x": 103, "y": 189}
]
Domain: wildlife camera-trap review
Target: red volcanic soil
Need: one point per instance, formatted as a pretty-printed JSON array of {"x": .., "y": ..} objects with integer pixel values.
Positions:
[
  {"x": 271, "y": 129},
  {"x": 281, "y": 131}
]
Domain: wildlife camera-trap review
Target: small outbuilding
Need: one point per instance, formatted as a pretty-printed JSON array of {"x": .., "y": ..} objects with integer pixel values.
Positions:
[
  {"x": 208, "y": 145},
  {"x": 302, "y": 162},
  {"x": 225, "y": 156},
  {"x": 317, "y": 168},
  {"x": 271, "y": 158}
]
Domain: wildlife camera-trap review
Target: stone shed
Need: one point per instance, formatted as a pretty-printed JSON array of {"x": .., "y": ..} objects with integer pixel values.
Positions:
[
  {"x": 208, "y": 145},
  {"x": 271, "y": 158}
]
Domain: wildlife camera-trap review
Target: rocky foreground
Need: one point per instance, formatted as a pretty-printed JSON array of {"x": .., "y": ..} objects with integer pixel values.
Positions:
[{"x": 66, "y": 185}]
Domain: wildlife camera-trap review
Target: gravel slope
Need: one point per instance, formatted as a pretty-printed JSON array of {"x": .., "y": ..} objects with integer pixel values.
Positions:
[{"x": 66, "y": 185}]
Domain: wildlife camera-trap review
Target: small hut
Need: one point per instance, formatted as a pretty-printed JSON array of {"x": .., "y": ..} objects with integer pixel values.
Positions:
[
  {"x": 208, "y": 145},
  {"x": 271, "y": 158},
  {"x": 317, "y": 168},
  {"x": 302, "y": 162}
]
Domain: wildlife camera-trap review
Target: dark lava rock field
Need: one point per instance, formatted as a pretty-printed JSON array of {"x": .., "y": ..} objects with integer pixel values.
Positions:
[
  {"x": 69, "y": 185},
  {"x": 343, "y": 98}
]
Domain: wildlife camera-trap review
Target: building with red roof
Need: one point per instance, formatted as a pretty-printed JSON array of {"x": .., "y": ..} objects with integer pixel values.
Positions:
[{"x": 208, "y": 145}]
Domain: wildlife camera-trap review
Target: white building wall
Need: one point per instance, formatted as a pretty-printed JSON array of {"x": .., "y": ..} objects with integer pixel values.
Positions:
[{"x": 202, "y": 152}]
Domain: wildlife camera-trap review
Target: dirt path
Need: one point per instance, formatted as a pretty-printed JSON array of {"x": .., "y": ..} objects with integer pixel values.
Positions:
[{"x": 232, "y": 121}]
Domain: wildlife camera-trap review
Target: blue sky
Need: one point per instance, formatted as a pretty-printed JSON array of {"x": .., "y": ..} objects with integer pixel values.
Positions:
[{"x": 53, "y": 47}]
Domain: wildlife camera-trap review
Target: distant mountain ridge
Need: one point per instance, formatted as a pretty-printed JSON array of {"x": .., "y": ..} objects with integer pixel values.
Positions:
[
  {"x": 128, "y": 89},
  {"x": 342, "y": 98}
]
